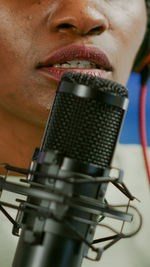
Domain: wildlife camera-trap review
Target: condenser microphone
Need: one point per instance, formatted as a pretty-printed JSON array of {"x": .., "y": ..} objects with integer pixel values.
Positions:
[{"x": 67, "y": 184}]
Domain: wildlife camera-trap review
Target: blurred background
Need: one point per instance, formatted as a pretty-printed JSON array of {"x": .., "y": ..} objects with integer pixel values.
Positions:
[{"x": 130, "y": 132}]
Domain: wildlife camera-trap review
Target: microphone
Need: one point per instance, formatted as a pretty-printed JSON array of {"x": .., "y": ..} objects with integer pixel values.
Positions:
[{"x": 69, "y": 174}]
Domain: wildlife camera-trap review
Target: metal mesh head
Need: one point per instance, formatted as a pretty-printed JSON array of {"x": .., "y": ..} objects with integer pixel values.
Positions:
[
  {"x": 96, "y": 83},
  {"x": 82, "y": 128}
]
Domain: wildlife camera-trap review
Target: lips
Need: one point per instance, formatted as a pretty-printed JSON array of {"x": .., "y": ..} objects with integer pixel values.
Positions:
[{"x": 75, "y": 52}]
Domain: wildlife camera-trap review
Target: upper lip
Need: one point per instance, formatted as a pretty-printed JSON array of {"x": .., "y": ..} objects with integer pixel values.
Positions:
[{"x": 73, "y": 52}]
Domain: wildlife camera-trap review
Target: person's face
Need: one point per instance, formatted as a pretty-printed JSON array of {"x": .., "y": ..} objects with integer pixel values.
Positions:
[{"x": 31, "y": 30}]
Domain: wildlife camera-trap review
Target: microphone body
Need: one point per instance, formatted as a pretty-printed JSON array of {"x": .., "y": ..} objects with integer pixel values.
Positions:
[{"x": 79, "y": 142}]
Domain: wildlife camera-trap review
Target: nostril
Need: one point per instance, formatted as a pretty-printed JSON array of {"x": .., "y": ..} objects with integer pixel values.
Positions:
[
  {"x": 65, "y": 26},
  {"x": 97, "y": 30},
  {"x": 94, "y": 31}
]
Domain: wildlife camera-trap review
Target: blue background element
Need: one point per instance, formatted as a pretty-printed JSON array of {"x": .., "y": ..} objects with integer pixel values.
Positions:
[{"x": 130, "y": 132}]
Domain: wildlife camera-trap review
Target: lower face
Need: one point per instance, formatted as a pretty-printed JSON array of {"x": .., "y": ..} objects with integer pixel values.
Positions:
[{"x": 27, "y": 37}]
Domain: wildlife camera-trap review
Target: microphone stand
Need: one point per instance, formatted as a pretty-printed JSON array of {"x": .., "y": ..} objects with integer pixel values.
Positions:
[{"x": 69, "y": 236}]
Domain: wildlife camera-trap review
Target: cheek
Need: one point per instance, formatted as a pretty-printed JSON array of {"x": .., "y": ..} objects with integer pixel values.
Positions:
[
  {"x": 128, "y": 20},
  {"x": 15, "y": 36},
  {"x": 14, "y": 47},
  {"x": 133, "y": 35},
  {"x": 129, "y": 37}
]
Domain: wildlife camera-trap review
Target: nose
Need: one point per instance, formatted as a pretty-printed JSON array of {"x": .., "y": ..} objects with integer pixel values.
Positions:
[{"x": 78, "y": 17}]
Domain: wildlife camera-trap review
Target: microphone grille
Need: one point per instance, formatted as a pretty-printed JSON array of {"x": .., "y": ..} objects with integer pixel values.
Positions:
[
  {"x": 82, "y": 128},
  {"x": 104, "y": 85}
]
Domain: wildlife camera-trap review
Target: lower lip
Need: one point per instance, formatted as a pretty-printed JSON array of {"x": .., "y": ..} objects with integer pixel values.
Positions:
[{"x": 56, "y": 73}]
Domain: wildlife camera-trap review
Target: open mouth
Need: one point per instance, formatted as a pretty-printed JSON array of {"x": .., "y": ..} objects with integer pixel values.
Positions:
[
  {"x": 85, "y": 60},
  {"x": 76, "y": 64}
]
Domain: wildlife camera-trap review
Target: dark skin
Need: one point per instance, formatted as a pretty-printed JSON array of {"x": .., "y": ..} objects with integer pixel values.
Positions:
[{"x": 29, "y": 31}]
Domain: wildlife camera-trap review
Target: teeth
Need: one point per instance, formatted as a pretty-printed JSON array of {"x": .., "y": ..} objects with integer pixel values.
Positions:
[
  {"x": 76, "y": 64},
  {"x": 65, "y": 65},
  {"x": 56, "y": 65}
]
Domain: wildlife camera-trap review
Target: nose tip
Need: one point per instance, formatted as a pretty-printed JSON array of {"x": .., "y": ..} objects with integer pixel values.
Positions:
[{"x": 87, "y": 21}]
